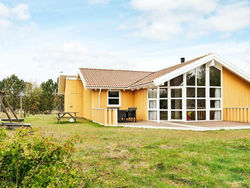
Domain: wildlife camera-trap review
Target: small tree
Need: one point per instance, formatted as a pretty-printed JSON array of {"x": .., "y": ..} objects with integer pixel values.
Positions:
[
  {"x": 49, "y": 89},
  {"x": 13, "y": 87},
  {"x": 33, "y": 100}
]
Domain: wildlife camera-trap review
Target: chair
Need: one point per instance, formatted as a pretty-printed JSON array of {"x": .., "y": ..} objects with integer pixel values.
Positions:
[
  {"x": 122, "y": 116},
  {"x": 132, "y": 114}
]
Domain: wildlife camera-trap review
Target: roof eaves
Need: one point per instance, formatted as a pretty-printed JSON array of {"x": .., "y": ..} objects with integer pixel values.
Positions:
[{"x": 183, "y": 69}]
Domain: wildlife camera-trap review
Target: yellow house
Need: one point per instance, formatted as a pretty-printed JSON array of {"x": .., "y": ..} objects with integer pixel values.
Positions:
[{"x": 207, "y": 88}]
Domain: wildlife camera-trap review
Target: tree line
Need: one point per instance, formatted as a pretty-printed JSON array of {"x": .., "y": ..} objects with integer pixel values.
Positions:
[{"x": 36, "y": 98}]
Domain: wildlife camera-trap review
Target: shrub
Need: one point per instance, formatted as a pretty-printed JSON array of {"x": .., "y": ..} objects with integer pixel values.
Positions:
[{"x": 28, "y": 158}]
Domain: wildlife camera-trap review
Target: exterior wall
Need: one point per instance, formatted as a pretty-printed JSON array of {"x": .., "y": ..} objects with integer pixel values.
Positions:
[
  {"x": 87, "y": 103},
  {"x": 140, "y": 99},
  {"x": 136, "y": 99},
  {"x": 73, "y": 97},
  {"x": 127, "y": 99},
  {"x": 236, "y": 97}
]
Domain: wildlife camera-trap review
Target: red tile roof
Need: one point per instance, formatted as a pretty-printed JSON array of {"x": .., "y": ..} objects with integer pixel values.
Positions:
[{"x": 109, "y": 78}]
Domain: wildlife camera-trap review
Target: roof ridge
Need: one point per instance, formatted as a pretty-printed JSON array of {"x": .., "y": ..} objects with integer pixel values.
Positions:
[
  {"x": 116, "y": 70},
  {"x": 141, "y": 79},
  {"x": 187, "y": 62}
]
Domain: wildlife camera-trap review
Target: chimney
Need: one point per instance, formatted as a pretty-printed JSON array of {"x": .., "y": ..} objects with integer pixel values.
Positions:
[{"x": 182, "y": 59}]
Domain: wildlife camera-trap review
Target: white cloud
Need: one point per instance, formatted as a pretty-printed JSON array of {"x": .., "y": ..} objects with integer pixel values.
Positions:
[
  {"x": 12, "y": 16},
  {"x": 98, "y": 1},
  {"x": 70, "y": 56},
  {"x": 164, "y": 19},
  {"x": 21, "y": 11},
  {"x": 4, "y": 11},
  {"x": 231, "y": 17}
]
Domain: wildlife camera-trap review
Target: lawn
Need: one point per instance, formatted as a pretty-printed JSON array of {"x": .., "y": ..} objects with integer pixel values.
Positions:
[{"x": 130, "y": 157}]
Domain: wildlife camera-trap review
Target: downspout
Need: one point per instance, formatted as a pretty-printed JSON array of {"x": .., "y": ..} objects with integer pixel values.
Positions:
[{"x": 99, "y": 98}]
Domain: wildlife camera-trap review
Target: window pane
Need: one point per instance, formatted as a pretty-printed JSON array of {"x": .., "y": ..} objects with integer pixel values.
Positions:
[
  {"x": 176, "y": 115},
  {"x": 163, "y": 115},
  {"x": 163, "y": 104},
  {"x": 190, "y": 115},
  {"x": 215, "y": 104},
  {"x": 201, "y": 75},
  {"x": 201, "y": 115},
  {"x": 215, "y": 76},
  {"x": 163, "y": 93},
  {"x": 176, "y": 104},
  {"x": 178, "y": 81},
  {"x": 190, "y": 92},
  {"x": 152, "y": 93},
  {"x": 113, "y": 101},
  {"x": 152, "y": 115},
  {"x": 176, "y": 93},
  {"x": 190, "y": 104},
  {"x": 201, "y": 104},
  {"x": 201, "y": 92},
  {"x": 215, "y": 115},
  {"x": 113, "y": 93},
  {"x": 215, "y": 92},
  {"x": 152, "y": 104},
  {"x": 165, "y": 84},
  {"x": 191, "y": 78}
]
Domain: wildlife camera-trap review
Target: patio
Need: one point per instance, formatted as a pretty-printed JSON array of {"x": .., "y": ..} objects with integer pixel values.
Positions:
[{"x": 194, "y": 126}]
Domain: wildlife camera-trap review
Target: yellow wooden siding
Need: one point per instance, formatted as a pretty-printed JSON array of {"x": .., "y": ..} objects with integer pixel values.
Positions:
[
  {"x": 127, "y": 99},
  {"x": 140, "y": 99},
  {"x": 73, "y": 97},
  {"x": 87, "y": 103},
  {"x": 82, "y": 100},
  {"x": 236, "y": 97}
]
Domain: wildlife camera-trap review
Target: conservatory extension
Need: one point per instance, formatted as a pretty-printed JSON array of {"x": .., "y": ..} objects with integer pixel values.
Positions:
[{"x": 195, "y": 95}]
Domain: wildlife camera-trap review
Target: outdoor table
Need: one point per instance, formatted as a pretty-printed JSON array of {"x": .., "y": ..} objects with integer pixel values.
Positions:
[{"x": 63, "y": 114}]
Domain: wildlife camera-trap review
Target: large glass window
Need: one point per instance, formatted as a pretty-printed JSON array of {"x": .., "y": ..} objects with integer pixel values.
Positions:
[
  {"x": 191, "y": 78},
  {"x": 163, "y": 104},
  {"x": 178, "y": 81},
  {"x": 191, "y": 92},
  {"x": 215, "y": 76},
  {"x": 152, "y": 115},
  {"x": 163, "y": 93},
  {"x": 163, "y": 115},
  {"x": 201, "y": 115},
  {"x": 201, "y": 75},
  {"x": 113, "y": 98},
  {"x": 176, "y": 115},
  {"x": 215, "y": 104},
  {"x": 152, "y": 93},
  {"x": 215, "y": 115},
  {"x": 215, "y": 92},
  {"x": 152, "y": 104},
  {"x": 176, "y": 104},
  {"x": 176, "y": 93},
  {"x": 201, "y": 104},
  {"x": 190, "y": 115},
  {"x": 201, "y": 92},
  {"x": 190, "y": 103},
  {"x": 201, "y": 101}
]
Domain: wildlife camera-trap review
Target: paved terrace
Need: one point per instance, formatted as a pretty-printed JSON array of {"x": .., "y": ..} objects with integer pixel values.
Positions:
[{"x": 194, "y": 126}]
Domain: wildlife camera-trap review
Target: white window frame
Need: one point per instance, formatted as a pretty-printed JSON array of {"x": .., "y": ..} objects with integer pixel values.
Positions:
[
  {"x": 153, "y": 99},
  {"x": 184, "y": 97},
  {"x": 114, "y": 105},
  {"x": 164, "y": 110}
]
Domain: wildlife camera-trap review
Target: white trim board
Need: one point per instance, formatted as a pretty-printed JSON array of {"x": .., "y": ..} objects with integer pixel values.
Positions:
[{"x": 211, "y": 57}]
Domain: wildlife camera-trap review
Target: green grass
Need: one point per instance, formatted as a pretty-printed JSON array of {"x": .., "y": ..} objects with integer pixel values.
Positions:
[{"x": 130, "y": 157}]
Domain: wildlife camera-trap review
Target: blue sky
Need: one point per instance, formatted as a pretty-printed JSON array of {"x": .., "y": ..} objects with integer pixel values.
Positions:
[{"x": 39, "y": 39}]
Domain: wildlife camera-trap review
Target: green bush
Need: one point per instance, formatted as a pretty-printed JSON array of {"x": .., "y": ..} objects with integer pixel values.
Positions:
[{"x": 28, "y": 158}]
